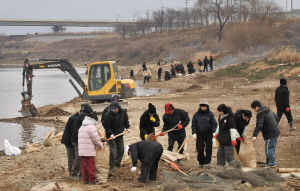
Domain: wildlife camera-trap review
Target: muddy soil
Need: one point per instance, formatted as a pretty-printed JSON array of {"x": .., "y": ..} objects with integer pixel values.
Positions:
[{"x": 50, "y": 163}]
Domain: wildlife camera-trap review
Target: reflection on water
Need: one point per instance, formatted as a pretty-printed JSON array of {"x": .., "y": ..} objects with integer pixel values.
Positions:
[
  {"x": 142, "y": 91},
  {"x": 19, "y": 134}
]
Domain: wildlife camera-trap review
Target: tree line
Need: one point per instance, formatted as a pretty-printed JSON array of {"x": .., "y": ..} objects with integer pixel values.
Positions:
[{"x": 203, "y": 13}]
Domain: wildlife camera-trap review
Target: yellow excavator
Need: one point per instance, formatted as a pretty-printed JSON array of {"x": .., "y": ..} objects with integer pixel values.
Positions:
[{"x": 102, "y": 80}]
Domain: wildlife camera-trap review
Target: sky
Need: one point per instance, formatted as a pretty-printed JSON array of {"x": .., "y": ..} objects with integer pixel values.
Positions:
[{"x": 88, "y": 9}]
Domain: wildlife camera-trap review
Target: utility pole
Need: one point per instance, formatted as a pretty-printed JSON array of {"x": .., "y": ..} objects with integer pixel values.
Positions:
[
  {"x": 138, "y": 13},
  {"x": 117, "y": 17},
  {"x": 292, "y": 8},
  {"x": 162, "y": 17},
  {"x": 186, "y": 13},
  {"x": 147, "y": 13},
  {"x": 286, "y": 5}
]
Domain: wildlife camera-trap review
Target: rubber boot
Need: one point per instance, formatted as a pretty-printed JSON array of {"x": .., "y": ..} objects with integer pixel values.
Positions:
[
  {"x": 139, "y": 184},
  {"x": 291, "y": 126}
]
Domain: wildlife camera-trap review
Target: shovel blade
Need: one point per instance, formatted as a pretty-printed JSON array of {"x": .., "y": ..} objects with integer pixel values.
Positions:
[{"x": 29, "y": 110}]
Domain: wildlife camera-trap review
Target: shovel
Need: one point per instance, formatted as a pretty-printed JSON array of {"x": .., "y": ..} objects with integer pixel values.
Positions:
[
  {"x": 175, "y": 166},
  {"x": 169, "y": 129},
  {"x": 118, "y": 135}
]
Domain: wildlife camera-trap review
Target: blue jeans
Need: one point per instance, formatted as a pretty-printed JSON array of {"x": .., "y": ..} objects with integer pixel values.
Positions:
[{"x": 270, "y": 146}]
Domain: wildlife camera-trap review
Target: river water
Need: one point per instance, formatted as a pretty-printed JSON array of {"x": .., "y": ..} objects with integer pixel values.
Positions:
[{"x": 50, "y": 86}]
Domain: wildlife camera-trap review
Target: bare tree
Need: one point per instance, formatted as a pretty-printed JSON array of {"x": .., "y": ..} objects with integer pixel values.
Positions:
[
  {"x": 122, "y": 29},
  {"x": 158, "y": 19},
  {"x": 263, "y": 9},
  {"x": 143, "y": 25},
  {"x": 171, "y": 15},
  {"x": 223, "y": 10}
]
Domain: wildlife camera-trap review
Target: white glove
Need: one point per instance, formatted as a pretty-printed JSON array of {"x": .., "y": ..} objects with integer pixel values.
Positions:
[
  {"x": 195, "y": 137},
  {"x": 128, "y": 130},
  {"x": 253, "y": 139},
  {"x": 133, "y": 169},
  {"x": 112, "y": 136}
]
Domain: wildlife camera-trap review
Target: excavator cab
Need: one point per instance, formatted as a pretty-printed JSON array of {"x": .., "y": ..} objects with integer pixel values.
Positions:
[{"x": 103, "y": 80}]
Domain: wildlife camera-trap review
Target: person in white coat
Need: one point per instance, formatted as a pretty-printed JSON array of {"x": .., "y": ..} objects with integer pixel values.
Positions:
[{"x": 88, "y": 141}]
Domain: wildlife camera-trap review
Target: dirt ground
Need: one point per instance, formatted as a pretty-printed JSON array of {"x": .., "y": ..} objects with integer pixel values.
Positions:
[{"x": 50, "y": 163}]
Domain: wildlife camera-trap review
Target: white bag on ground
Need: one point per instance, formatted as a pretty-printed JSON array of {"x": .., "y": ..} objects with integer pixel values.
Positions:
[
  {"x": 11, "y": 150},
  {"x": 247, "y": 153}
]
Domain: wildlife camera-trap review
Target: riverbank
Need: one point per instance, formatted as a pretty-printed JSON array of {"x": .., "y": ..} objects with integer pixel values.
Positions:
[{"x": 24, "y": 171}]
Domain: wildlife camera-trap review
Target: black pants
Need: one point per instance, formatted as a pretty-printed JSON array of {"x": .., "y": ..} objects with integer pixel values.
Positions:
[
  {"x": 146, "y": 78},
  {"x": 151, "y": 170},
  {"x": 205, "y": 68},
  {"x": 132, "y": 77},
  {"x": 287, "y": 114},
  {"x": 171, "y": 144},
  {"x": 159, "y": 76},
  {"x": 204, "y": 141}
]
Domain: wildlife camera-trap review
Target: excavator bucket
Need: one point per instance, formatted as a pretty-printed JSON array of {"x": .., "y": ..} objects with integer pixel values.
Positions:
[{"x": 29, "y": 110}]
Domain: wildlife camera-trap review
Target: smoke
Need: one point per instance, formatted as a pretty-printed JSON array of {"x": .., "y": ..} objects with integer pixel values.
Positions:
[{"x": 236, "y": 58}]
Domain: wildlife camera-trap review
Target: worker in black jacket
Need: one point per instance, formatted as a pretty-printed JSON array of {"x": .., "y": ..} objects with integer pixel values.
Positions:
[
  {"x": 149, "y": 153},
  {"x": 66, "y": 140},
  {"x": 205, "y": 63},
  {"x": 175, "y": 117},
  {"x": 226, "y": 134},
  {"x": 76, "y": 167},
  {"x": 148, "y": 121},
  {"x": 114, "y": 97},
  {"x": 159, "y": 71},
  {"x": 204, "y": 125},
  {"x": 115, "y": 121},
  {"x": 282, "y": 99},
  {"x": 242, "y": 119},
  {"x": 267, "y": 123}
]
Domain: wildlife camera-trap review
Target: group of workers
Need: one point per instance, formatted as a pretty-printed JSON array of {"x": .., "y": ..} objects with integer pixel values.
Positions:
[
  {"x": 176, "y": 68},
  {"x": 81, "y": 137}
]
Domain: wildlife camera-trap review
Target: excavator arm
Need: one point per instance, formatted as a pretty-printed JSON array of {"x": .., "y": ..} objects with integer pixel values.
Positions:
[{"x": 28, "y": 109}]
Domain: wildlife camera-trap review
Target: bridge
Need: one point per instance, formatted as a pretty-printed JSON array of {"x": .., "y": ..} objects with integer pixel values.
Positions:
[{"x": 59, "y": 24}]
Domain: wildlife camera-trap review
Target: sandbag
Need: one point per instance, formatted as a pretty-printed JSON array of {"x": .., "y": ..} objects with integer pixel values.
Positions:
[
  {"x": 236, "y": 156},
  {"x": 172, "y": 156},
  {"x": 11, "y": 150},
  {"x": 102, "y": 164},
  {"x": 185, "y": 148},
  {"x": 49, "y": 137},
  {"x": 32, "y": 147},
  {"x": 247, "y": 153}
]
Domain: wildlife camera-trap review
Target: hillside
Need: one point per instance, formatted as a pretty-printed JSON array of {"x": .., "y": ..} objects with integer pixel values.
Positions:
[{"x": 246, "y": 41}]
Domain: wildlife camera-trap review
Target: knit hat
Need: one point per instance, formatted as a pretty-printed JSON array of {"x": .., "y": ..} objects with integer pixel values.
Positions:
[
  {"x": 283, "y": 81},
  {"x": 151, "y": 108},
  {"x": 86, "y": 108},
  {"x": 203, "y": 102},
  {"x": 169, "y": 108}
]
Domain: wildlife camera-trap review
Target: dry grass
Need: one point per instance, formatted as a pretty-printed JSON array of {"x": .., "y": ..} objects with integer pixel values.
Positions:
[
  {"x": 288, "y": 54},
  {"x": 182, "y": 44}
]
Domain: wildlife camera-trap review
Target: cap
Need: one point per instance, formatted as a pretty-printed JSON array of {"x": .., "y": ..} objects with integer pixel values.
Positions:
[
  {"x": 283, "y": 81},
  {"x": 114, "y": 105},
  {"x": 168, "y": 108},
  {"x": 115, "y": 97},
  {"x": 203, "y": 102}
]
